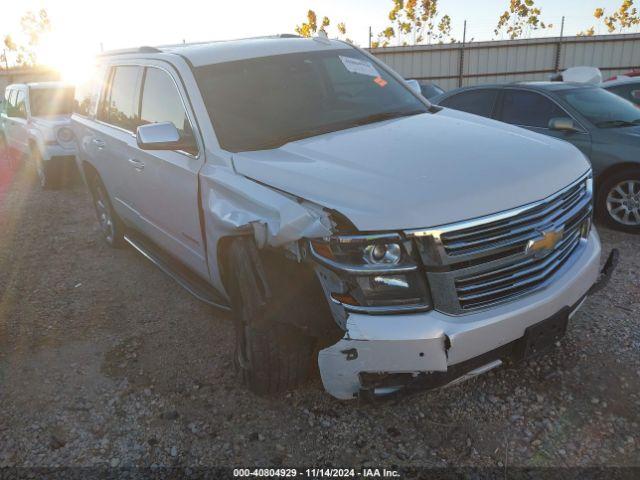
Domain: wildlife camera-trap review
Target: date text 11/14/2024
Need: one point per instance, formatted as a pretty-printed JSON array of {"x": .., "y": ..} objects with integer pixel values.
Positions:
[{"x": 316, "y": 473}]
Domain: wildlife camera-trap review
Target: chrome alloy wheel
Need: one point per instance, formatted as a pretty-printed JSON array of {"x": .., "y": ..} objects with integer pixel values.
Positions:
[
  {"x": 103, "y": 211},
  {"x": 623, "y": 203}
]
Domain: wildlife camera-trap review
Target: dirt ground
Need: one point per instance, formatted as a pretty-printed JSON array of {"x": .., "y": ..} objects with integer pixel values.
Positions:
[{"x": 106, "y": 361}]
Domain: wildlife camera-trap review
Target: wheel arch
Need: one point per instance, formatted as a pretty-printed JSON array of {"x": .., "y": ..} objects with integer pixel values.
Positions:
[{"x": 614, "y": 170}]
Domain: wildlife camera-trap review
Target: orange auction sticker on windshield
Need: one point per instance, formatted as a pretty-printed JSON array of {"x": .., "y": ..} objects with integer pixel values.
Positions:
[{"x": 380, "y": 81}]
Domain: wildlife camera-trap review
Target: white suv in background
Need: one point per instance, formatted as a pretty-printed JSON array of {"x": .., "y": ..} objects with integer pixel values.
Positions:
[
  {"x": 36, "y": 124},
  {"x": 344, "y": 219}
]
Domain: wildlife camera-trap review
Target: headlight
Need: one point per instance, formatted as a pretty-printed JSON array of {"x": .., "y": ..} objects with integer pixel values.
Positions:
[
  {"x": 64, "y": 135},
  {"x": 378, "y": 273}
]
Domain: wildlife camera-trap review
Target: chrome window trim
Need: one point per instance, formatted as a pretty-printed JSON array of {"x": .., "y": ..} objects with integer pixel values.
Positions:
[{"x": 197, "y": 134}]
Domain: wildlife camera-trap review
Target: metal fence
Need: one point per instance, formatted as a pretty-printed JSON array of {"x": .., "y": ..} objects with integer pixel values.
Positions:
[{"x": 459, "y": 64}]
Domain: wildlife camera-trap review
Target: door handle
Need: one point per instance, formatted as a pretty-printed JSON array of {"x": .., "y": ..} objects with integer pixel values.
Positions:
[
  {"x": 137, "y": 164},
  {"x": 99, "y": 143}
]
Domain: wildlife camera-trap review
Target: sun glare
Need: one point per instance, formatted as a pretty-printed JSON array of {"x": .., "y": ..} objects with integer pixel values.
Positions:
[{"x": 72, "y": 59}]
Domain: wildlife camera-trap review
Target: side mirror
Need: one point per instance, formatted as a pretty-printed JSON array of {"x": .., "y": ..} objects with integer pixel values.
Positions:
[
  {"x": 161, "y": 136},
  {"x": 414, "y": 86},
  {"x": 563, "y": 124}
]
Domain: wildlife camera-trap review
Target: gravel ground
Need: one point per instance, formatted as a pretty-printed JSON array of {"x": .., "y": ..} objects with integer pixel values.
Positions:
[{"x": 106, "y": 361}]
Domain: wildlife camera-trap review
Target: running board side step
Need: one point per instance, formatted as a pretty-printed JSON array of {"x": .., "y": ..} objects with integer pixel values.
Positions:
[{"x": 197, "y": 287}]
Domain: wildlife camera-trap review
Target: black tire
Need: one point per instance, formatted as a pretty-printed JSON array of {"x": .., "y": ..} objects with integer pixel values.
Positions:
[
  {"x": 48, "y": 177},
  {"x": 618, "y": 199},
  {"x": 111, "y": 226},
  {"x": 271, "y": 355}
]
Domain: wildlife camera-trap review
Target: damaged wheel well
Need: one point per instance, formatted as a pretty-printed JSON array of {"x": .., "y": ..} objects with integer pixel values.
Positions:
[{"x": 295, "y": 296}]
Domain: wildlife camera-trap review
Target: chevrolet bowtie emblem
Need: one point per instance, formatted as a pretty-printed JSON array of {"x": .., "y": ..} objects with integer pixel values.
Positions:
[{"x": 543, "y": 245}]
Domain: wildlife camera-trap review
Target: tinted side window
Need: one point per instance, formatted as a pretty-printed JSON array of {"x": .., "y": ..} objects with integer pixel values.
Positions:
[
  {"x": 121, "y": 108},
  {"x": 529, "y": 109},
  {"x": 161, "y": 102},
  {"x": 11, "y": 103},
  {"x": 629, "y": 92},
  {"x": 87, "y": 94},
  {"x": 21, "y": 105},
  {"x": 479, "y": 102}
]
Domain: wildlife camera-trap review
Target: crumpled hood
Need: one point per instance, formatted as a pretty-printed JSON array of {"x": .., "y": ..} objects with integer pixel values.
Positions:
[{"x": 420, "y": 171}]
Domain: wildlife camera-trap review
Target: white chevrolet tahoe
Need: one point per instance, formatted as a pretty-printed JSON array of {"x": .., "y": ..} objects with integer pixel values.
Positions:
[
  {"x": 36, "y": 124},
  {"x": 308, "y": 188}
]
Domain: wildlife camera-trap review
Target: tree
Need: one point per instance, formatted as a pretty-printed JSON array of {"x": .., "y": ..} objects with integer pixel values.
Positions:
[
  {"x": 34, "y": 26},
  {"x": 625, "y": 17},
  {"x": 521, "y": 15},
  {"x": 311, "y": 28},
  {"x": 414, "y": 22}
]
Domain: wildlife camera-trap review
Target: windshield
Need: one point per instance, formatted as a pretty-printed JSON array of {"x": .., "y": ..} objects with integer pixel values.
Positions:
[
  {"x": 262, "y": 103},
  {"x": 47, "y": 102},
  {"x": 602, "y": 108}
]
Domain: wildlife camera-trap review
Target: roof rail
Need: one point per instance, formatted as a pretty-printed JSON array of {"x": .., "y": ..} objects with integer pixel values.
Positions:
[
  {"x": 124, "y": 51},
  {"x": 149, "y": 49}
]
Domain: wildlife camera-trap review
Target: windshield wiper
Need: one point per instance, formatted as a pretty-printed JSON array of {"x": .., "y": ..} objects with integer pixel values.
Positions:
[
  {"x": 618, "y": 123},
  {"x": 380, "y": 117}
]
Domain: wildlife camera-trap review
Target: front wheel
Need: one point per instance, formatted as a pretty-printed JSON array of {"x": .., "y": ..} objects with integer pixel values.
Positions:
[
  {"x": 271, "y": 355},
  {"x": 619, "y": 201}
]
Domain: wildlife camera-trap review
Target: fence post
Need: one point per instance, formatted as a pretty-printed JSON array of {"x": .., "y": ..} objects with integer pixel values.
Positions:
[
  {"x": 461, "y": 66},
  {"x": 559, "y": 47}
]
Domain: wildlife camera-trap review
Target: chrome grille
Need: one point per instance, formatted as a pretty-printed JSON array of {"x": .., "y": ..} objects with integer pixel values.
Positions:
[
  {"x": 477, "y": 264},
  {"x": 513, "y": 232}
]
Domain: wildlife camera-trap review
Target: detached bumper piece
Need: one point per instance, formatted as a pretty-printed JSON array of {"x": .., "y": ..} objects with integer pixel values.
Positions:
[
  {"x": 537, "y": 339},
  {"x": 607, "y": 271}
]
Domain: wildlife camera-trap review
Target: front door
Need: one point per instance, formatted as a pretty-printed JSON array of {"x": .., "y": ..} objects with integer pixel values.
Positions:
[
  {"x": 533, "y": 111},
  {"x": 164, "y": 183}
]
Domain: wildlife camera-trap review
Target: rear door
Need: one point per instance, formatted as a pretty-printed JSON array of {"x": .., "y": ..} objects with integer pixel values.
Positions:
[
  {"x": 165, "y": 183},
  {"x": 113, "y": 137},
  {"x": 533, "y": 110}
]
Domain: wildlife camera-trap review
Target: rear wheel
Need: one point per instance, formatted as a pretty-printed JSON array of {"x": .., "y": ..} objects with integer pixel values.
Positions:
[
  {"x": 619, "y": 201},
  {"x": 111, "y": 226},
  {"x": 47, "y": 177},
  {"x": 271, "y": 355}
]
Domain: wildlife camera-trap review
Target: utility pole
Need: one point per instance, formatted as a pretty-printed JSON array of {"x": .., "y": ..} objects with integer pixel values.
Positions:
[
  {"x": 6, "y": 60},
  {"x": 370, "y": 36},
  {"x": 461, "y": 66}
]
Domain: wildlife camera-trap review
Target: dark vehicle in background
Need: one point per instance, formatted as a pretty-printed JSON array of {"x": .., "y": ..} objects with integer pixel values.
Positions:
[
  {"x": 605, "y": 127},
  {"x": 429, "y": 90},
  {"x": 627, "y": 88}
]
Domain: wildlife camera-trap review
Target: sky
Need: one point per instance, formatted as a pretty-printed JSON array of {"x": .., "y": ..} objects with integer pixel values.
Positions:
[{"x": 82, "y": 27}]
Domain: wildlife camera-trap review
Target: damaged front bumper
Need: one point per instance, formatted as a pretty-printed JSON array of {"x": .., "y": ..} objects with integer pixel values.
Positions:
[{"x": 380, "y": 354}]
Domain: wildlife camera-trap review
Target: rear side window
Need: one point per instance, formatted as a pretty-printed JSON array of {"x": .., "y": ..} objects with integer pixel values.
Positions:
[
  {"x": 529, "y": 109},
  {"x": 122, "y": 98},
  {"x": 88, "y": 93},
  {"x": 478, "y": 102}
]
